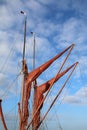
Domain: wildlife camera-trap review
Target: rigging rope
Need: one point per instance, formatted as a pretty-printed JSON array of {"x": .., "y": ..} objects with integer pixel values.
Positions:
[
  {"x": 6, "y": 91},
  {"x": 3, "y": 67},
  {"x": 11, "y": 51},
  {"x": 57, "y": 95},
  {"x": 50, "y": 86},
  {"x": 66, "y": 58},
  {"x": 46, "y": 125},
  {"x": 14, "y": 107},
  {"x": 15, "y": 126},
  {"x": 82, "y": 75},
  {"x": 60, "y": 127},
  {"x": 57, "y": 121},
  {"x": 9, "y": 54}
]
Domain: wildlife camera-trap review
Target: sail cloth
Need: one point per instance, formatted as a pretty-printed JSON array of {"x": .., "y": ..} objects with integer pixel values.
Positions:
[
  {"x": 39, "y": 95},
  {"x": 44, "y": 87},
  {"x": 23, "y": 111},
  {"x": 32, "y": 76},
  {"x": 35, "y": 73}
]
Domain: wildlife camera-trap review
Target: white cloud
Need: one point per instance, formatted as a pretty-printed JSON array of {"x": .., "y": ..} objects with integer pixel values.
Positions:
[
  {"x": 80, "y": 6},
  {"x": 5, "y": 20},
  {"x": 79, "y": 98},
  {"x": 71, "y": 30},
  {"x": 3, "y": 80},
  {"x": 57, "y": 24}
]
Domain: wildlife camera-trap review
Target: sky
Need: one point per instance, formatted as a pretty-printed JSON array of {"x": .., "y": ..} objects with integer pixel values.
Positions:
[{"x": 56, "y": 24}]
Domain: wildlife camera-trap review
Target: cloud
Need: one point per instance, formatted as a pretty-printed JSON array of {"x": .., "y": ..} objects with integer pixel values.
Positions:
[
  {"x": 3, "y": 84},
  {"x": 57, "y": 24},
  {"x": 80, "y": 6},
  {"x": 51, "y": 35},
  {"x": 77, "y": 7},
  {"x": 73, "y": 30},
  {"x": 2, "y": 79},
  {"x": 79, "y": 98},
  {"x": 36, "y": 7},
  {"x": 5, "y": 20}
]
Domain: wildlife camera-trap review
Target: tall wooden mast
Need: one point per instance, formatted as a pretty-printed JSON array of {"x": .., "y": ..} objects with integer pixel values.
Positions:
[
  {"x": 34, "y": 82},
  {"x": 23, "y": 109}
]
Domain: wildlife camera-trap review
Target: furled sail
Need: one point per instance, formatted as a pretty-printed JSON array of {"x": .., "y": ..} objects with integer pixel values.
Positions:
[
  {"x": 32, "y": 76},
  {"x": 39, "y": 95},
  {"x": 35, "y": 73},
  {"x": 28, "y": 79}
]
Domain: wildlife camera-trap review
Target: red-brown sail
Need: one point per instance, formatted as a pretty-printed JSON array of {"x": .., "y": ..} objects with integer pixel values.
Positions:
[
  {"x": 28, "y": 79},
  {"x": 39, "y": 95},
  {"x": 35, "y": 73}
]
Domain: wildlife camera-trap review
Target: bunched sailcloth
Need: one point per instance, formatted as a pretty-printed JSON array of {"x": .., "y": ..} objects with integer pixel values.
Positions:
[
  {"x": 28, "y": 79},
  {"x": 39, "y": 95}
]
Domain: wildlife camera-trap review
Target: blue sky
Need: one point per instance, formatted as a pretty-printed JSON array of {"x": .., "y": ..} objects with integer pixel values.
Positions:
[{"x": 57, "y": 24}]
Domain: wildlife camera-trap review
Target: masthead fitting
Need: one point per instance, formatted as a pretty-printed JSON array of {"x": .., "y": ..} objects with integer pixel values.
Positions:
[
  {"x": 33, "y": 33},
  {"x": 0, "y": 100},
  {"x": 22, "y": 12}
]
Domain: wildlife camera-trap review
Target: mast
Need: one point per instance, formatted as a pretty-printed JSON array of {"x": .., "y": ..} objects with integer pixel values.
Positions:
[
  {"x": 34, "y": 56},
  {"x": 25, "y": 23},
  {"x": 21, "y": 106},
  {"x": 34, "y": 51},
  {"x": 23, "y": 59},
  {"x": 34, "y": 82}
]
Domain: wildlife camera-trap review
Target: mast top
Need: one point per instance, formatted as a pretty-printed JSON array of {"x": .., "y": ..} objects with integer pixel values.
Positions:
[
  {"x": 0, "y": 100},
  {"x": 22, "y": 12}
]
